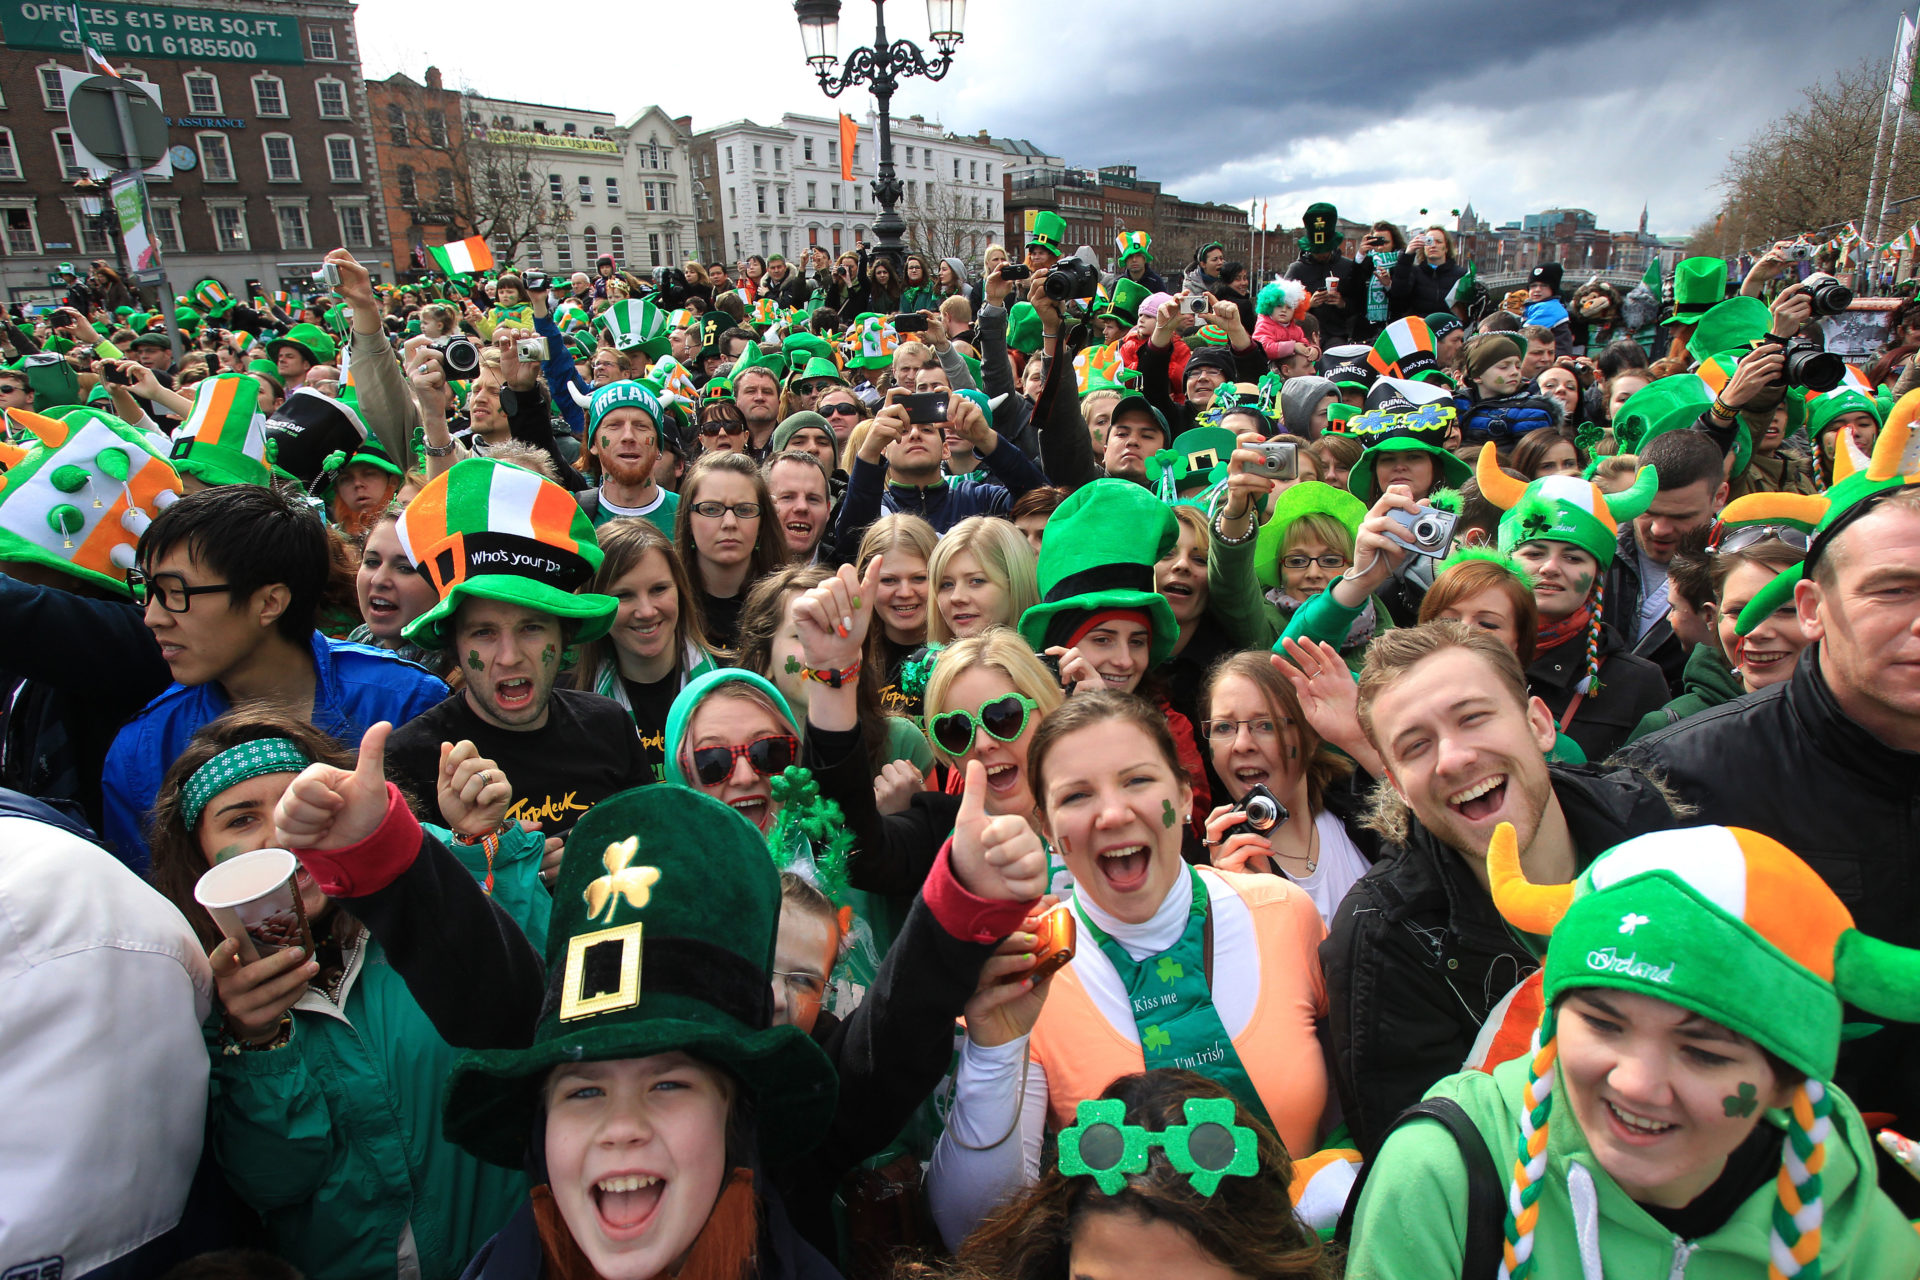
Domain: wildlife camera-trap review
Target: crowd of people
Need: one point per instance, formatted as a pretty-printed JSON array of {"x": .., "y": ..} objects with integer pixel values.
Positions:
[{"x": 931, "y": 769}]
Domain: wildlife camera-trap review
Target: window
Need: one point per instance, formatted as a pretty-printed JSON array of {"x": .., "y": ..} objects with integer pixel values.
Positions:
[
  {"x": 343, "y": 158},
  {"x": 856, "y": 193},
  {"x": 836, "y": 242},
  {"x": 9, "y": 158},
  {"x": 617, "y": 246},
  {"x": 586, "y": 189},
  {"x": 320, "y": 43},
  {"x": 733, "y": 202},
  {"x": 556, "y": 192},
  {"x": 913, "y": 191},
  {"x": 22, "y": 236},
  {"x": 355, "y": 231},
  {"x": 646, "y": 195},
  {"x": 165, "y": 221},
  {"x": 760, "y": 197},
  {"x": 779, "y": 156},
  {"x": 444, "y": 181},
  {"x": 50, "y": 91},
  {"x": 613, "y": 191},
  {"x": 203, "y": 94},
  {"x": 956, "y": 169},
  {"x": 766, "y": 242},
  {"x": 834, "y": 195},
  {"x": 270, "y": 96},
  {"x": 437, "y": 128},
  {"x": 973, "y": 171},
  {"x": 729, "y": 159},
  {"x": 534, "y": 258},
  {"x": 736, "y": 244},
  {"x": 989, "y": 173},
  {"x": 976, "y": 206},
  {"x": 783, "y": 242},
  {"x": 666, "y": 197},
  {"x": 563, "y": 253},
  {"x": 216, "y": 161},
  {"x": 653, "y": 250},
  {"x": 333, "y": 98},
  {"x": 833, "y": 151},
  {"x": 88, "y": 229},
  {"x": 989, "y": 208},
  {"x": 813, "y": 201},
  {"x": 570, "y": 129},
  {"x": 757, "y": 163},
  {"x": 590, "y": 243},
  {"x": 229, "y": 227},
  {"x": 813, "y": 236},
  {"x": 409, "y": 189},
  {"x": 396, "y": 124},
  {"x": 293, "y": 226},
  {"x": 281, "y": 165},
  {"x": 856, "y": 155},
  {"x": 806, "y": 148},
  {"x": 780, "y": 199}
]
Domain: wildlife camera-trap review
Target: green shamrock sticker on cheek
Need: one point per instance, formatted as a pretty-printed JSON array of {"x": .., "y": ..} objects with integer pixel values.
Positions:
[
  {"x": 473, "y": 660},
  {"x": 1742, "y": 1103},
  {"x": 1167, "y": 815},
  {"x": 793, "y": 665}
]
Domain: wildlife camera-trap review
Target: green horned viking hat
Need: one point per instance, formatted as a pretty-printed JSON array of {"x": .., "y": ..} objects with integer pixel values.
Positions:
[
  {"x": 1562, "y": 508},
  {"x": 662, "y": 940},
  {"x": 1102, "y": 544}
]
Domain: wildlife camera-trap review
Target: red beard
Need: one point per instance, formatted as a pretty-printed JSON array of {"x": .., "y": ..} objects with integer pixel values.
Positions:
[{"x": 625, "y": 473}]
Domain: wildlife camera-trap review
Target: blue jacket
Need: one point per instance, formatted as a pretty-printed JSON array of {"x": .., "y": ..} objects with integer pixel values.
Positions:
[
  {"x": 357, "y": 686},
  {"x": 943, "y": 505}
]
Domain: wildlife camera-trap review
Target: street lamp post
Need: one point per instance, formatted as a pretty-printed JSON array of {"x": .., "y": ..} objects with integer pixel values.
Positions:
[{"x": 883, "y": 65}]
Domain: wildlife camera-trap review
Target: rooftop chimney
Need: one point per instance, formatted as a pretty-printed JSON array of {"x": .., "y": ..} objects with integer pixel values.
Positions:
[{"x": 433, "y": 78}]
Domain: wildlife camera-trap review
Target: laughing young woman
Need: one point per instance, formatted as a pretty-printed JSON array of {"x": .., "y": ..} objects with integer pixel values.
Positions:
[
  {"x": 982, "y": 575},
  {"x": 1209, "y": 971},
  {"x": 904, "y": 544},
  {"x": 392, "y": 593}
]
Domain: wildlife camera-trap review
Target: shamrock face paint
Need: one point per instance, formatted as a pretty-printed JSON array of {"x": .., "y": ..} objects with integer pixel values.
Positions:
[
  {"x": 1563, "y": 576},
  {"x": 1743, "y": 1102},
  {"x": 1167, "y": 815},
  {"x": 549, "y": 655},
  {"x": 473, "y": 660}
]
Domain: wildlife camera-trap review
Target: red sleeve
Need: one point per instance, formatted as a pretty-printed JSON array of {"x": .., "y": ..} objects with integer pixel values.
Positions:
[
  {"x": 961, "y": 913},
  {"x": 374, "y": 863}
]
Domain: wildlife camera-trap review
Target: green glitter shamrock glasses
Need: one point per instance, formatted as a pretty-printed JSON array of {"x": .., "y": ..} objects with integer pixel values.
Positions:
[{"x": 1208, "y": 1147}]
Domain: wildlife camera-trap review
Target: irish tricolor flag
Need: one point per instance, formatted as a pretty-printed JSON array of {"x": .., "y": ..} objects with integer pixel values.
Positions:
[
  {"x": 463, "y": 257},
  {"x": 1404, "y": 349}
]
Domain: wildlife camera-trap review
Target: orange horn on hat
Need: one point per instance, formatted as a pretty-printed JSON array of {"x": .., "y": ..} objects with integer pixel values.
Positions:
[
  {"x": 1534, "y": 908},
  {"x": 50, "y": 431},
  {"x": 1890, "y": 448},
  {"x": 1496, "y": 486},
  {"x": 1798, "y": 508}
]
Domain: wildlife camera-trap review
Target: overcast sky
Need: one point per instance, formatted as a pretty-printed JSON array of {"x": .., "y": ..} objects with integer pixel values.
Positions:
[{"x": 1384, "y": 108}]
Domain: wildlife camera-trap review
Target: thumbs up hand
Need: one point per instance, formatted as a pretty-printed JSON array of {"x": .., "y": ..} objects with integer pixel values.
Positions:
[
  {"x": 331, "y": 808},
  {"x": 1001, "y": 857}
]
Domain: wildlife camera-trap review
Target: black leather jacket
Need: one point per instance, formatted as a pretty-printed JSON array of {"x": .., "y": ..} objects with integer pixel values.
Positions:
[{"x": 1418, "y": 956}]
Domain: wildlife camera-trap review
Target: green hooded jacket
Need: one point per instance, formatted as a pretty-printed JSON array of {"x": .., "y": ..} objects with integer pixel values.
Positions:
[
  {"x": 1411, "y": 1219},
  {"x": 334, "y": 1138},
  {"x": 1707, "y": 680}
]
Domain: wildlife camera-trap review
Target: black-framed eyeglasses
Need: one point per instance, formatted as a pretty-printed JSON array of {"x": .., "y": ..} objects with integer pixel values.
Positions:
[
  {"x": 1228, "y": 730},
  {"x": 170, "y": 589},
  {"x": 1305, "y": 562},
  {"x": 1724, "y": 541},
  {"x": 716, "y": 510},
  {"x": 767, "y": 756}
]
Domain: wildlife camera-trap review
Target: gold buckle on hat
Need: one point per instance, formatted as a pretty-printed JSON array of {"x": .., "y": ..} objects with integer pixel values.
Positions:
[{"x": 587, "y": 950}]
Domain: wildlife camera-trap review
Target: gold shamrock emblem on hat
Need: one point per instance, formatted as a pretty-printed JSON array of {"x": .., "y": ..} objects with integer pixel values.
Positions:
[{"x": 635, "y": 884}]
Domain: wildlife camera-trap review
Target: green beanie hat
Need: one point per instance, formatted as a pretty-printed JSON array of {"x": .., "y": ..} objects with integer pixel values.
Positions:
[
  {"x": 625, "y": 394},
  {"x": 1309, "y": 497},
  {"x": 793, "y": 423},
  {"x": 1023, "y": 328},
  {"x": 697, "y": 691},
  {"x": 1101, "y": 547}
]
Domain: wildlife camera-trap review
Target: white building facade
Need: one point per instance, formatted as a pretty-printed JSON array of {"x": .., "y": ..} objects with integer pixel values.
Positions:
[
  {"x": 580, "y": 164},
  {"x": 656, "y": 217}
]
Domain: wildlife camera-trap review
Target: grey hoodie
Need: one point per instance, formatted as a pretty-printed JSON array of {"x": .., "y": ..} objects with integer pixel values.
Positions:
[{"x": 1299, "y": 397}]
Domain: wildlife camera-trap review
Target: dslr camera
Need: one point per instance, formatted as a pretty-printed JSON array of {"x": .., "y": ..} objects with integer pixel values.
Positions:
[
  {"x": 458, "y": 354},
  {"x": 328, "y": 276},
  {"x": 1264, "y": 814},
  {"x": 1807, "y": 365},
  {"x": 1830, "y": 297},
  {"x": 1428, "y": 531},
  {"x": 1072, "y": 278}
]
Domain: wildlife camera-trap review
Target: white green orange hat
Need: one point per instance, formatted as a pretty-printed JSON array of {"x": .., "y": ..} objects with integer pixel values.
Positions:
[
  {"x": 874, "y": 341},
  {"x": 635, "y": 324},
  {"x": 81, "y": 494},
  {"x": 496, "y": 531},
  {"x": 224, "y": 439},
  {"x": 1128, "y": 243}
]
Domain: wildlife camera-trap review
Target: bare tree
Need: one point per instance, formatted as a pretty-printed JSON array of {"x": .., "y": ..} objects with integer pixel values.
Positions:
[
  {"x": 942, "y": 227},
  {"x": 1806, "y": 171}
]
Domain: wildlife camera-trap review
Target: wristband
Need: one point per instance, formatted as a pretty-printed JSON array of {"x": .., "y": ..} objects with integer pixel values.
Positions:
[
  {"x": 1722, "y": 410},
  {"x": 832, "y": 679},
  {"x": 440, "y": 452},
  {"x": 506, "y": 825},
  {"x": 1253, "y": 528}
]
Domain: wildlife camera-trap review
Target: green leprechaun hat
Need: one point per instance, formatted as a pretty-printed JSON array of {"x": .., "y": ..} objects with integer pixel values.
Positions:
[
  {"x": 1421, "y": 430},
  {"x": 224, "y": 439},
  {"x": 1733, "y": 926},
  {"x": 819, "y": 370},
  {"x": 665, "y": 915},
  {"x": 368, "y": 452},
  {"x": 500, "y": 532},
  {"x": 79, "y": 498},
  {"x": 1699, "y": 284},
  {"x": 1895, "y": 463},
  {"x": 802, "y": 347},
  {"x": 310, "y": 340},
  {"x": 1128, "y": 243},
  {"x": 1047, "y": 230},
  {"x": 1102, "y": 544},
  {"x": 1024, "y": 332},
  {"x": 758, "y": 357},
  {"x": 1124, "y": 305},
  {"x": 1309, "y": 497},
  {"x": 51, "y": 379},
  {"x": 636, "y": 324},
  {"x": 712, "y": 325},
  {"x": 1322, "y": 223},
  {"x": 1664, "y": 405},
  {"x": 1102, "y": 369},
  {"x": 1196, "y": 460},
  {"x": 1734, "y": 325}
]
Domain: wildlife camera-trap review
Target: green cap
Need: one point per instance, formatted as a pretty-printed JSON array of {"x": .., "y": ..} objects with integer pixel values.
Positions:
[{"x": 308, "y": 339}]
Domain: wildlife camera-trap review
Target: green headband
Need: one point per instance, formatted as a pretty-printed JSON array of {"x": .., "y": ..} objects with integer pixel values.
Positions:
[
  {"x": 1208, "y": 1147},
  {"x": 237, "y": 764}
]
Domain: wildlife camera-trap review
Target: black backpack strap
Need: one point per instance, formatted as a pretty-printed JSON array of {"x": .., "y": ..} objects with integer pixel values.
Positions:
[
  {"x": 589, "y": 500},
  {"x": 1486, "y": 1199}
]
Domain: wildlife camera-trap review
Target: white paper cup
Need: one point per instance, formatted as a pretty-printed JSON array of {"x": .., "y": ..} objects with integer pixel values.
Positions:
[{"x": 254, "y": 900}]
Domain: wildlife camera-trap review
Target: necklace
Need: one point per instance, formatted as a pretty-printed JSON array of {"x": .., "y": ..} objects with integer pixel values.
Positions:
[{"x": 1313, "y": 849}]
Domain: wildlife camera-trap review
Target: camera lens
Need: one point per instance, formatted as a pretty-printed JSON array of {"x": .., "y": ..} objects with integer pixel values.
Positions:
[
  {"x": 1261, "y": 812},
  {"x": 1830, "y": 297},
  {"x": 1426, "y": 531},
  {"x": 459, "y": 357},
  {"x": 1809, "y": 367}
]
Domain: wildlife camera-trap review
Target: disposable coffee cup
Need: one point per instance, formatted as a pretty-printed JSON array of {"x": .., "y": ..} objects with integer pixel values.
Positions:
[{"x": 254, "y": 900}]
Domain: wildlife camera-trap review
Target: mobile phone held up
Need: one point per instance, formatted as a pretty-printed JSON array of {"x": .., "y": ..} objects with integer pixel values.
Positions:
[
  {"x": 927, "y": 407},
  {"x": 909, "y": 322}
]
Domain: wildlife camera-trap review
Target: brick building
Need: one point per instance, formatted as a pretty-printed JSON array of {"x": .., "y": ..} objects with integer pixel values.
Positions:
[
  {"x": 420, "y": 137},
  {"x": 272, "y": 159},
  {"x": 1097, "y": 205}
]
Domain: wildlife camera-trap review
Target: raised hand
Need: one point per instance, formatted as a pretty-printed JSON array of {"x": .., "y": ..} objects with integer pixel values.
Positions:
[
  {"x": 1234, "y": 852},
  {"x": 1000, "y": 858},
  {"x": 895, "y": 786},
  {"x": 473, "y": 793},
  {"x": 1005, "y": 1005},
  {"x": 331, "y": 808},
  {"x": 832, "y": 618},
  {"x": 256, "y": 995}
]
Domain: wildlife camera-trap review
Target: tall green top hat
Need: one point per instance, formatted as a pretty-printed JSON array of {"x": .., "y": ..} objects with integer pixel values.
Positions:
[
  {"x": 1733, "y": 926},
  {"x": 1698, "y": 284},
  {"x": 224, "y": 439},
  {"x": 1420, "y": 430},
  {"x": 712, "y": 325},
  {"x": 1124, "y": 305},
  {"x": 500, "y": 532},
  {"x": 310, "y": 340},
  {"x": 1047, "y": 230},
  {"x": 1657, "y": 408},
  {"x": 1895, "y": 463},
  {"x": 1102, "y": 544},
  {"x": 51, "y": 379},
  {"x": 79, "y": 499},
  {"x": 636, "y": 324},
  {"x": 662, "y": 937},
  {"x": 1323, "y": 229},
  {"x": 1128, "y": 243}
]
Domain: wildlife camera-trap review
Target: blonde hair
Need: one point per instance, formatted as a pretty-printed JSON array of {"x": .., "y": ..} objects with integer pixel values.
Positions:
[
  {"x": 1195, "y": 521},
  {"x": 1005, "y": 556},
  {"x": 918, "y": 354},
  {"x": 956, "y": 307},
  {"x": 1000, "y": 649},
  {"x": 896, "y": 531}
]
